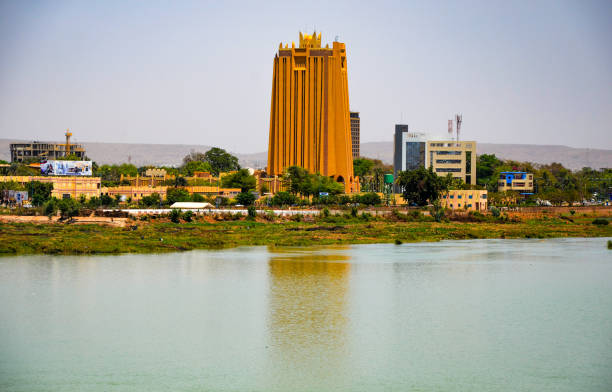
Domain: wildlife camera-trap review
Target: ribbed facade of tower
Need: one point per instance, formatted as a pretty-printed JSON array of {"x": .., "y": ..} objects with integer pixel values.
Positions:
[{"x": 309, "y": 116}]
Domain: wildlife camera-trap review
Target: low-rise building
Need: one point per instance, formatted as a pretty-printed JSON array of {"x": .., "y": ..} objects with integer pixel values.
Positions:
[
  {"x": 415, "y": 149},
  {"x": 134, "y": 193},
  {"x": 462, "y": 199},
  {"x": 64, "y": 187},
  {"x": 515, "y": 181}
]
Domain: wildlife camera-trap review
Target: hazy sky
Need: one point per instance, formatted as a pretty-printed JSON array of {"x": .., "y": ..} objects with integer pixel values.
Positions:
[{"x": 201, "y": 72}]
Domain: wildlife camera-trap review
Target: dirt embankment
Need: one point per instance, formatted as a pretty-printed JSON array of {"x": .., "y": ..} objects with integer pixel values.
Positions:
[{"x": 99, "y": 220}]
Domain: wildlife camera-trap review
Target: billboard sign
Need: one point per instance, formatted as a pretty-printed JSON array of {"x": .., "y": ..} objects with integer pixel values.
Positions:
[
  {"x": 66, "y": 168},
  {"x": 14, "y": 197}
]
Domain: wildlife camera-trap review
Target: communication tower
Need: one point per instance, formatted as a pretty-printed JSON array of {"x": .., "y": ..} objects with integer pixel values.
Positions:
[{"x": 458, "y": 120}]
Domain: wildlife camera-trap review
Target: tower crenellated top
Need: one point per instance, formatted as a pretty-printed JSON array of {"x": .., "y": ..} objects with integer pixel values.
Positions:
[{"x": 310, "y": 41}]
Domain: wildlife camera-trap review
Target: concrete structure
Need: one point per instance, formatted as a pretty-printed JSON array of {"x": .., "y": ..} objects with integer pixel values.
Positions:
[
  {"x": 188, "y": 205},
  {"x": 408, "y": 149},
  {"x": 515, "y": 181},
  {"x": 355, "y": 134},
  {"x": 412, "y": 150},
  {"x": 309, "y": 115},
  {"x": 134, "y": 193},
  {"x": 44, "y": 150},
  {"x": 64, "y": 187},
  {"x": 455, "y": 157},
  {"x": 467, "y": 200}
]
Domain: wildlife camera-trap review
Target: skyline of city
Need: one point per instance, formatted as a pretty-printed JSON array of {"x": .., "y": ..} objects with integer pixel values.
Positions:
[{"x": 535, "y": 74}]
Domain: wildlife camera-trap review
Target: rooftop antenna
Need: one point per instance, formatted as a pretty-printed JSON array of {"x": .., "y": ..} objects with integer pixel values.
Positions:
[
  {"x": 337, "y": 39},
  {"x": 450, "y": 129},
  {"x": 458, "y": 120}
]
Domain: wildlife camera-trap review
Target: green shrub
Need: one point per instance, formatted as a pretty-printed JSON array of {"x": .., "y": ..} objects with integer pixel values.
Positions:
[
  {"x": 68, "y": 207},
  {"x": 284, "y": 199},
  {"x": 270, "y": 216},
  {"x": 344, "y": 199},
  {"x": 369, "y": 199},
  {"x": 296, "y": 217},
  {"x": 398, "y": 242},
  {"x": 252, "y": 212},
  {"x": 50, "y": 207},
  {"x": 609, "y": 244},
  {"x": 495, "y": 212},
  {"x": 601, "y": 222},
  {"x": 572, "y": 212},
  {"x": 354, "y": 212},
  {"x": 197, "y": 198},
  {"x": 325, "y": 212},
  {"x": 366, "y": 216},
  {"x": 245, "y": 198},
  {"x": 188, "y": 216},
  {"x": 175, "y": 215}
]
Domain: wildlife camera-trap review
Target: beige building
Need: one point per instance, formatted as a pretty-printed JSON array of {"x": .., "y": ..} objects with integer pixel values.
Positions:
[
  {"x": 470, "y": 200},
  {"x": 515, "y": 181},
  {"x": 63, "y": 187},
  {"x": 134, "y": 193},
  {"x": 416, "y": 149},
  {"x": 455, "y": 157}
]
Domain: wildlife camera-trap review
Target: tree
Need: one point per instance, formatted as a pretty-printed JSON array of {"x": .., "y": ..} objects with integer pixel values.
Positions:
[
  {"x": 39, "y": 192},
  {"x": 196, "y": 197},
  {"x": 107, "y": 201},
  {"x": 151, "y": 201},
  {"x": 362, "y": 166},
  {"x": 420, "y": 186},
  {"x": 93, "y": 202},
  {"x": 174, "y": 195},
  {"x": 371, "y": 199},
  {"x": 298, "y": 180},
  {"x": 193, "y": 156},
  {"x": 245, "y": 198},
  {"x": 284, "y": 199},
  {"x": 50, "y": 206},
  {"x": 485, "y": 169},
  {"x": 241, "y": 179},
  {"x": 180, "y": 181},
  {"x": 220, "y": 160},
  {"x": 195, "y": 166},
  {"x": 68, "y": 207}
]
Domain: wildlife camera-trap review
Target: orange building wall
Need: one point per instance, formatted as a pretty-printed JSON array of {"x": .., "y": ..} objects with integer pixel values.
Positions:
[{"x": 309, "y": 115}]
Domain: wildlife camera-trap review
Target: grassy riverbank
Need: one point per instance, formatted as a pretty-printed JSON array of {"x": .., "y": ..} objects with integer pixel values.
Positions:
[{"x": 164, "y": 236}]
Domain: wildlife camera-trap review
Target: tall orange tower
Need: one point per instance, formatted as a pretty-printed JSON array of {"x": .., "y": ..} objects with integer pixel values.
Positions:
[{"x": 309, "y": 116}]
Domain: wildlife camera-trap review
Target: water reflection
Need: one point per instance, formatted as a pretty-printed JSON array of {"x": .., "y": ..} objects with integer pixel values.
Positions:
[{"x": 308, "y": 308}]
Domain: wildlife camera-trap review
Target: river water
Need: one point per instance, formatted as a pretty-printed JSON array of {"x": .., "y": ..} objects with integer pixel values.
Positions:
[{"x": 482, "y": 315}]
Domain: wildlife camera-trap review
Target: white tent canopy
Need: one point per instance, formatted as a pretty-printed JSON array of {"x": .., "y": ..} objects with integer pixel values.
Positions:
[{"x": 187, "y": 205}]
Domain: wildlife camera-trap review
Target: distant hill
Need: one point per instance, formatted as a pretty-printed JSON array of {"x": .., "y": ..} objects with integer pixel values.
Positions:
[
  {"x": 172, "y": 154},
  {"x": 573, "y": 158}
]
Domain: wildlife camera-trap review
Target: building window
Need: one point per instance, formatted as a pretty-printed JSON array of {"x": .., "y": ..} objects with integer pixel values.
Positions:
[
  {"x": 459, "y": 196},
  {"x": 483, "y": 196},
  {"x": 448, "y": 170},
  {"x": 470, "y": 196},
  {"x": 448, "y": 161},
  {"x": 448, "y": 152},
  {"x": 452, "y": 196}
]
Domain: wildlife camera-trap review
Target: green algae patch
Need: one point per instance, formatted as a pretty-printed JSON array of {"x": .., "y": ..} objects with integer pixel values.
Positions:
[{"x": 158, "y": 237}]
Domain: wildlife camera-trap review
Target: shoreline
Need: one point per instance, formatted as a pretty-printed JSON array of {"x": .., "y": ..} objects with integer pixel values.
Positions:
[{"x": 18, "y": 238}]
